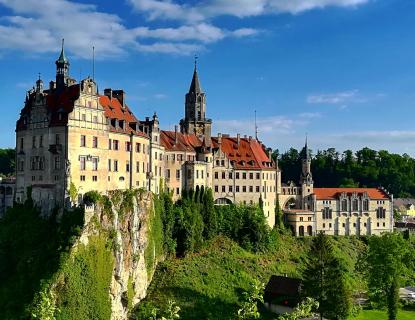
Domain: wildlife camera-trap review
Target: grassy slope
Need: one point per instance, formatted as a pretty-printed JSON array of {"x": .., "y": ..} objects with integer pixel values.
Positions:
[
  {"x": 382, "y": 315},
  {"x": 208, "y": 285}
]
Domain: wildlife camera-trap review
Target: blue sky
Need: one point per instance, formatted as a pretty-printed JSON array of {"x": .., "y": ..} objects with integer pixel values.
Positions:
[{"x": 342, "y": 71}]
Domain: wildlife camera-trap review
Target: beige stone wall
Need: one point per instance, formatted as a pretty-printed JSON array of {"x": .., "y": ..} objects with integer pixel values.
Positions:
[
  {"x": 351, "y": 222},
  {"x": 302, "y": 223}
]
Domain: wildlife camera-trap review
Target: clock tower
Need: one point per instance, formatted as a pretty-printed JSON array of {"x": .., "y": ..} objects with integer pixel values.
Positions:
[{"x": 195, "y": 121}]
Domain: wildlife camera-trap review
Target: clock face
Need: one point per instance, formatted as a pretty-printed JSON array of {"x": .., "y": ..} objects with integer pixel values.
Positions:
[{"x": 200, "y": 130}]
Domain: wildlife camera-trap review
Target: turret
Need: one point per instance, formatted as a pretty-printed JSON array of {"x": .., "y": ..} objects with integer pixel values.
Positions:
[{"x": 62, "y": 69}]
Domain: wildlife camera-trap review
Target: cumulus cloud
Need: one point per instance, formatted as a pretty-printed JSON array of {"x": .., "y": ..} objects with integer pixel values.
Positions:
[
  {"x": 35, "y": 28},
  {"x": 173, "y": 10}
]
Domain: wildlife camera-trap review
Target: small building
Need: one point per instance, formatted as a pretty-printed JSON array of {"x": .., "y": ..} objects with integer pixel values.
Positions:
[
  {"x": 282, "y": 294},
  {"x": 405, "y": 206}
]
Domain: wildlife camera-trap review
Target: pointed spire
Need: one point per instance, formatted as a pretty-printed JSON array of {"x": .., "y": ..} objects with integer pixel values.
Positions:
[
  {"x": 307, "y": 153},
  {"x": 195, "y": 85},
  {"x": 62, "y": 57}
]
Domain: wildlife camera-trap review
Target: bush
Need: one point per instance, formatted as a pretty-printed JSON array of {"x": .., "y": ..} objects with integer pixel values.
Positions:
[{"x": 91, "y": 198}]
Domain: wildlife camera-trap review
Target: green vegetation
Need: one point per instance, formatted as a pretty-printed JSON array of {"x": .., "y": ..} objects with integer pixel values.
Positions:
[
  {"x": 31, "y": 249},
  {"x": 390, "y": 257},
  {"x": 7, "y": 162},
  {"x": 154, "y": 248},
  {"x": 209, "y": 284},
  {"x": 83, "y": 285},
  {"x": 364, "y": 168},
  {"x": 383, "y": 315},
  {"x": 325, "y": 280}
]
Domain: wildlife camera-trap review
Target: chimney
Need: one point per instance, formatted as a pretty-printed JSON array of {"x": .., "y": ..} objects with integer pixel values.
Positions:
[
  {"x": 108, "y": 93},
  {"x": 120, "y": 95},
  {"x": 176, "y": 138},
  {"x": 270, "y": 153},
  {"x": 250, "y": 138},
  {"x": 238, "y": 139},
  {"x": 245, "y": 136}
]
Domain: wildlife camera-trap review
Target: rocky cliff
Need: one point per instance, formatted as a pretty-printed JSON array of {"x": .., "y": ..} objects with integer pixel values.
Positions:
[{"x": 111, "y": 264}]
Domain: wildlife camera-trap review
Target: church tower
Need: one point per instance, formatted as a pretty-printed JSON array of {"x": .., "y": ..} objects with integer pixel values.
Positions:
[
  {"x": 195, "y": 121},
  {"x": 306, "y": 178},
  {"x": 62, "y": 69}
]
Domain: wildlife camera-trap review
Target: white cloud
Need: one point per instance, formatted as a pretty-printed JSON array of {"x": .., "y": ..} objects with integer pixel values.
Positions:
[
  {"x": 35, "y": 28},
  {"x": 166, "y": 9},
  {"x": 335, "y": 98}
]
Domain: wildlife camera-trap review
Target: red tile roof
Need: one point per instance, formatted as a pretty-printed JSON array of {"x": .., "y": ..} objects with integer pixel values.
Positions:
[
  {"x": 185, "y": 142},
  {"x": 250, "y": 154},
  {"x": 334, "y": 193},
  {"x": 114, "y": 110}
]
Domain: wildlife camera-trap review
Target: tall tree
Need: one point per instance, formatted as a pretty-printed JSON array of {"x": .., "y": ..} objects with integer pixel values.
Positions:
[
  {"x": 389, "y": 256},
  {"x": 325, "y": 280}
]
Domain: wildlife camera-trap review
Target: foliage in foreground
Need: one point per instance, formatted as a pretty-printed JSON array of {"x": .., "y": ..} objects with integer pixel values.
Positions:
[
  {"x": 31, "y": 249},
  {"x": 325, "y": 280}
]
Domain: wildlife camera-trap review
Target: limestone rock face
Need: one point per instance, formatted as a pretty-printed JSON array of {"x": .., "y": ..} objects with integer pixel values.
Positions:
[{"x": 128, "y": 224}]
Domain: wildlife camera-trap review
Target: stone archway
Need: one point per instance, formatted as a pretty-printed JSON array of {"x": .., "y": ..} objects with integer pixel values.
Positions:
[
  {"x": 223, "y": 201},
  {"x": 301, "y": 231},
  {"x": 310, "y": 230}
]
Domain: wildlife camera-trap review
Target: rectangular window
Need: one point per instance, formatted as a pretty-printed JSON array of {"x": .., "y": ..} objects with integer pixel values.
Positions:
[
  {"x": 95, "y": 178},
  {"x": 57, "y": 163},
  {"x": 127, "y": 166},
  {"x": 168, "y": 173},
  {"x": 109, "y": 144},
  {"x": 21, "y": 144},
  {"x": 82, "y": 178},
  {"x": 243, "y": 188},
  {"x": 83, "y": 141},
  {"x": 223, "y": 188},
  {"x": 216, "y": 189},
  {"x": 109, "y": 164},
  {"x": 94, "y": 164},
  {"x": 237, "y": 175},
  {"x": 177, "y": 191},
  {"x": 83, "y": 163},
  {"x": 223, "y": 175},
  {"x": 83, "y": 117},
  {"x": 94, "y": 142},
  {"x": 237, "y": 188},
  {"x": 230, "y": 188},
  {"x": 257, "y": 188},
  {"x": 138, "y": 147},
  {"x": 137, "y": 166},
  {"x": 243, "y": 175},
  {"x": 57, "y": 139},
  {"x": 115, "y": 144},
  {"x": 177, "y": 174},
  {"x": 251, "y": 175},
  {"x": 216, "y": 175},
  {"x": 127, "y": 146},
  {"x": 258, "y": 176},
  {"x": 41, "y": 141},
  {"x": 95, "y": 119},
  {"x": 251, "y": 189},
  {"x": 116, "y": 165}
]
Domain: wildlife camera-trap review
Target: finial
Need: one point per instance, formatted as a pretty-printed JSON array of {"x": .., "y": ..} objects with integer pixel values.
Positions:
[
  {"x": 63, "y": 42},
  {"x": 38, "y": 76},
  {"x": 256, "y": 128},
  {"x": 93, "y": 63},
  {"x": 196, "y": 57}
]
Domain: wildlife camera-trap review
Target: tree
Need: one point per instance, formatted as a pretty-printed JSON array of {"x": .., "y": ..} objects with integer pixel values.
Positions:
[
  {"x": 324, "y": 280},
  {"x": 210, "y": 219},
  {"x": 250, "y": 300},
  {"x": 388, "y": 258},
  {"x": 279, "y": 223},
  {"x": 303, "y": 310}
]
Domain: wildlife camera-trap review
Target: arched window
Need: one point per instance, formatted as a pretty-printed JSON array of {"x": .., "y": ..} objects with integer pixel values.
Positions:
[
  {"x": 366, "y": 205},
  {"x": 355, "y": 205},
  {"x": 344, "y": 205},
  {"x": 310, "y": 230}
]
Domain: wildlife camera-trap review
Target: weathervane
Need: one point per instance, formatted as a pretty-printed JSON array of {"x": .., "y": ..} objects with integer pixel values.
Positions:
[{"x": 196, "y": 57}]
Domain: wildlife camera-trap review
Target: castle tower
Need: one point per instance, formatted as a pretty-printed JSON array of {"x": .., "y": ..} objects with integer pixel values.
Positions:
[
  {"x": 62, "y": 69},
  {"x": 306, "y": 178},
  {"x": 195, "y": 121}
]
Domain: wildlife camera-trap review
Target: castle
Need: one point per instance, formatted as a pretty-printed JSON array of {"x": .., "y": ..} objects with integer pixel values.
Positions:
[{"x": 70, "y": 139}]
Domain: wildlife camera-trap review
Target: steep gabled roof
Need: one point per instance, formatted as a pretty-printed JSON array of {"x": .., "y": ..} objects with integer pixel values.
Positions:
[
  {"x": 185, "y": 142},
  {"x": 249, "y": 154},
  {"x": 334, "y": 193}
]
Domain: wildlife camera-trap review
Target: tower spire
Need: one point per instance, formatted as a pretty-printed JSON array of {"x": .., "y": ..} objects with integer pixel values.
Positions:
[
  {"x": 195, "y": 85},
  {"x": 62, "y": 68}
]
